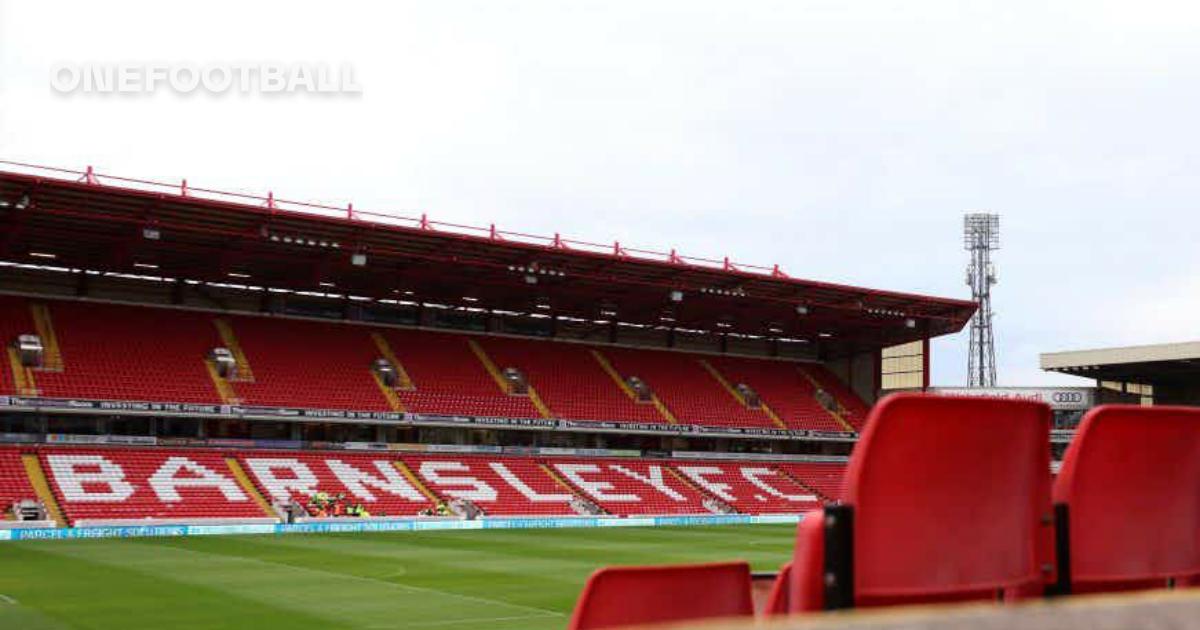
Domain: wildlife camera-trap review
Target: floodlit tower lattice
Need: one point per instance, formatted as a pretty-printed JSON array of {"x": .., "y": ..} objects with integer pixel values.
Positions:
[{"x": 981, "y": 236}]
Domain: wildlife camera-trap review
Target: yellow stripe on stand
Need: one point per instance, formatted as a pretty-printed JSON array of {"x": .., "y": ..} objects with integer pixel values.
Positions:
[
  {"x": 685, "y": 480},
  {"x": 244, "y": 372},
  {"x": 389, "y": 393},
  {"x": 248, "y": 486},
  {"x": 52, "y": 360},
  {"x": 41, "y": 486},
  {"x": 566, "y": 485},
  {"x": 836, "y": 416},
  {"x": 799, "y": 482},
  {"x": 23, "y": 378},
  {"x": 385, "y": 349},
  {"x": 224, "y": 388},
  {"x": 417, "y": 483}
]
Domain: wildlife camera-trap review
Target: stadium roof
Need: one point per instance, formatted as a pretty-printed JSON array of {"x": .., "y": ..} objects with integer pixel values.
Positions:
[
  {"x": 1151, "y": 364},
  {"x": 82, "y": 220}
]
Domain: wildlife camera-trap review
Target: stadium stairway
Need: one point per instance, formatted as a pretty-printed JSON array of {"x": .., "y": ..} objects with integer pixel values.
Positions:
[
  {"x": 24, "y": 383},
  {"x": 687, "y": 481},
  {"x": 417, "y": 483},
  {"x": 825, "y": 498},
  {"x": 245, "y": 373},
  {"x": 239, "y": 474},
  {"x": 569, "y": 487},
  {"x": 44, "y": 325},
  {"x": 854, "y": 410},
  {"x": 403, "y": 381},
  {"x": 35, "y": 480},
  {"x": 846, "y": 424}
]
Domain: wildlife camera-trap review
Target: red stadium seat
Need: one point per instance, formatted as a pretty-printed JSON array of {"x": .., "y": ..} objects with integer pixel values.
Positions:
[
  {"x": 946, "y": 499},
  {"x": 777, "y": 601},
  {"x": 623, "y": 596},
  {"x": 1130, "y": 482}
]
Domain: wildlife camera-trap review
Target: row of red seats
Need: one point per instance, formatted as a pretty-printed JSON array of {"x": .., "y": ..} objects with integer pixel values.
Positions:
[
  {"x": 92, "y": 483},
  {"x": 140, "y": 353},
  {"x": 14, "y": 483},
  {"x": 923, "y": 523}
]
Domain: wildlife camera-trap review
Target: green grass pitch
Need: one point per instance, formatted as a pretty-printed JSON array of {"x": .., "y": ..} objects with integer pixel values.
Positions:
[{"x": 496, "y": 579}]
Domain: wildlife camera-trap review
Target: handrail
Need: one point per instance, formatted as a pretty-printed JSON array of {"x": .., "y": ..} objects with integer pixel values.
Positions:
[{"x": 349, "y": 213}]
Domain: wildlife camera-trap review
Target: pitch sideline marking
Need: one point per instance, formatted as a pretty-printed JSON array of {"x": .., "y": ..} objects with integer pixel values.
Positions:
[{"x": 8, "y": 600}]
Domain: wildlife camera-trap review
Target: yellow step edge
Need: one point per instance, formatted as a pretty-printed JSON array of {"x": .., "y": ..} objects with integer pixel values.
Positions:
[
  {"x": 224, "y": 388},
  {"x": 612, "y": 372},
  {"x": 502, "y": 383},
  {"x": 796, "y": 480},
  {"x": 772, "y": 415},
  {"x": 52, "y": 360},
  {"x": 687, "y": 481},
  {"x": 488, "y": 365},
  {"x": 229, "y": 339},
  {"x": 762, "y": 405},
  {"x": 248, "y": 487},
  {"x": 23, "y": 379},
  {"x": 41, "y": 486},
  {"x": 558, "y": 479},
  {"x": 537, "y": 402},
  {"x": 663, "y": 410},
  {"x": 417, "y": 483},
  {"x": 403, "y": 381},
  {"x": 836, "y": 416},
  {"x": 389, "y": 393},
  {"x": 568, "y": 487}
]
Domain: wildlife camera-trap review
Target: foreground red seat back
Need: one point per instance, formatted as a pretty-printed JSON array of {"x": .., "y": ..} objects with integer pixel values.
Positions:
[
  {"x": 1131, "y": 482},
  {"x": 946, "y": 499},
  {"x": 623, "y": 596}
]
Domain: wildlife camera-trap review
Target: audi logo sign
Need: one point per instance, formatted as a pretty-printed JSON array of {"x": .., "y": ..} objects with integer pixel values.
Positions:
[
  {"x": 1064, "y": 398},
  {"x": 1067, "y": 398}
]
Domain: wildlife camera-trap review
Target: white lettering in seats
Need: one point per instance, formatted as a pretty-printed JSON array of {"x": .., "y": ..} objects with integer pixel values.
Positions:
[
  {"x": 755, "y": 475},
  {"x": 79, "y": 485},
  {"x": 520, "y": 486},
  {"x": 166, "y": 480},
  {"x": 717, "y": 488},
  {"x": 596, "y": 488},
  {"x": 652, "y": 478},
  {"x": 302, "y": 480},
  {"x": 468, "y": 488},
  {"x": 391, "y": 482}
]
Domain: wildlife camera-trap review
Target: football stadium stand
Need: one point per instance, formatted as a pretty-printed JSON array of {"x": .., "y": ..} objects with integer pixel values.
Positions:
[{"x": 137, "y": 353}]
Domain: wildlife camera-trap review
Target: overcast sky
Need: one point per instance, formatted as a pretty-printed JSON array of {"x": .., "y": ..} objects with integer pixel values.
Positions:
[{"x": 842, "y": 140}]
